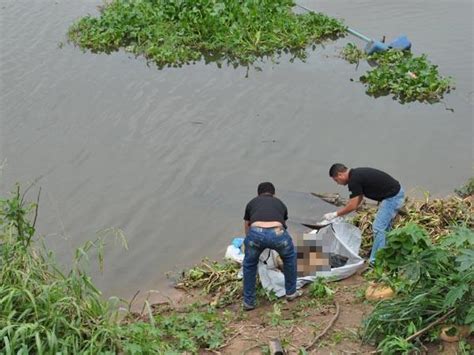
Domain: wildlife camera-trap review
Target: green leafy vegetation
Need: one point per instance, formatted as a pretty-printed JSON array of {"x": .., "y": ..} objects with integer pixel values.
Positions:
[
  {"x": 319, "y": 289},
  {"x": 43, "y": 310},
  {"x": 435, "y": 216},
  {"x": 219, "y": 280},
  {"x": 46, "y": 311},
  {"x": 432, "y": 281},
  {"x": 400, "y": 73},
  {"x": 175, "y": 32},
  {"x": 188, "y": 331},
  {"x": 352, "y": 53},
  {"x": 275, "y": 317},
  {"x": 396, "y": 345}
]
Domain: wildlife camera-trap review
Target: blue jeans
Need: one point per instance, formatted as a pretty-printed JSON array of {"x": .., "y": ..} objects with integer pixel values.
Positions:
[
  {"x": 256, "y": 241},
  {"x": 387, "y": 211}
]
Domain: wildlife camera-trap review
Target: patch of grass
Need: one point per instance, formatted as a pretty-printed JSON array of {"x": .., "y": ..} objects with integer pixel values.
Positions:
[
  {"x": 360, "y": 294},
  {"x": 320, "y": 290},
  {"x": 46, "y": 311},
  {"x": 175, "y": 32},
  {"x": 179, "y": 332},
  {"x": 464, "y": 348},
  {"x": 43, "y": 310},
  {"x": 396, "y": 345},
  {"x": 305, "y": 308},
  {"x": 276, "y": 317}
]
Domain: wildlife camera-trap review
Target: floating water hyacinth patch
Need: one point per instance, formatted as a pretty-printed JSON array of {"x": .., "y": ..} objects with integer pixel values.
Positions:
[
  {"x": 175, "y": 32},
  {"x": 401, "y": 74}
]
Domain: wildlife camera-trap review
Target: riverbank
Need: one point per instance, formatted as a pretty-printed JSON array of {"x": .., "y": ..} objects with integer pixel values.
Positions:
[
  {"x": 336, "y": 325},
  {"x": 44, "y": 310}
]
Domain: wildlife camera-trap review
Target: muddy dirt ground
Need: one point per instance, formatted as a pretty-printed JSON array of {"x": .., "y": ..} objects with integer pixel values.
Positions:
[{"x": 300, "y": 323}]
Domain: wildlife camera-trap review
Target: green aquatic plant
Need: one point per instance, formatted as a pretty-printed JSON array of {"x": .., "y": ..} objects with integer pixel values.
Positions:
[
  {"x": 406, "y": 77},
  {"x": 352, "y": 53},
  {"x": 401, "y": 74},
  {"x": 175, "y": 32}
]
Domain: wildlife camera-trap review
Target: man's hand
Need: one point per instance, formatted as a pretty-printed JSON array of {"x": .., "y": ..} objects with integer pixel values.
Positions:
[{"x": 330, "y": 216}]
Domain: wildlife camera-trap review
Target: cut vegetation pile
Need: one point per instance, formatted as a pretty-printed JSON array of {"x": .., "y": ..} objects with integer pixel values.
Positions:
[
  {"x": 436, "y": 216},
  {"x": 219, "y": 280},
  {"x": 174, "y": 32}
]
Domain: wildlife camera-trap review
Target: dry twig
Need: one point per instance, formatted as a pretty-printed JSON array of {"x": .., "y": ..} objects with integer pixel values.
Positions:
[{"x": 323, "y": 333}]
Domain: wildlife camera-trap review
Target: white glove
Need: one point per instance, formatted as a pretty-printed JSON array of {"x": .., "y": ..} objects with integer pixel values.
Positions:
[{"x": 330, "y": 216}]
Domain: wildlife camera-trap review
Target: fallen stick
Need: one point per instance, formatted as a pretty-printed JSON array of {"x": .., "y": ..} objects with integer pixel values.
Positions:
[
  {"x": 432, "y": 324},
  {"x": 227, "y": 343},
  {"x": 323, "y": 333},
  {"x": 424, "y": 330},
  {"x": 245, "y": 351}
]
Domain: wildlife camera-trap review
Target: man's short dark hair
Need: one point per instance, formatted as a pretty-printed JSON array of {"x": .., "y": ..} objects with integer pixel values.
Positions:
[
  {"x": 336, "y": 169},
  {"x": 266, "y": 188}
]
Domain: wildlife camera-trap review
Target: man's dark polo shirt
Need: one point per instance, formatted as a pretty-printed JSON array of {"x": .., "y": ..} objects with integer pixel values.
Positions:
[
  {"x": 372, "y": 183},
  {"x": 266, "y": 208}
]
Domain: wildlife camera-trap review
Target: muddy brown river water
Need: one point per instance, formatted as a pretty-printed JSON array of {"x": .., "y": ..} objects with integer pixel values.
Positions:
[{"x": 171, "y": 156}]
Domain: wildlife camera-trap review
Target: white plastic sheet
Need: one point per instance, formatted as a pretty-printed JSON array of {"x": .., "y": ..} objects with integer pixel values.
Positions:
[{"x": 342, "y": 239}]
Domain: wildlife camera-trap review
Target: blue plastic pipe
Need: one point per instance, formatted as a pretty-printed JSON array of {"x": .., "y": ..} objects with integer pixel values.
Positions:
[
  {"x": 358, "y": 34},
  {"x": 372, "y": 46}
]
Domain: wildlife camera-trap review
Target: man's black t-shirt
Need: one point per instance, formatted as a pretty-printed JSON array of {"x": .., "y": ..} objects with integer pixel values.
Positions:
[
  {"x": 372, "y": 183},
  {"x": 266, "y": 208}
]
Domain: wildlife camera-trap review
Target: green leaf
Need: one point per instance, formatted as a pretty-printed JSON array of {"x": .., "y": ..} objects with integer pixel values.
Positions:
[
  {"x": 470, "y": 318},
  {"x": 455, "y": 294},
  {"x": 465, "y": 259},
  {"x": 461, "y": 236}
]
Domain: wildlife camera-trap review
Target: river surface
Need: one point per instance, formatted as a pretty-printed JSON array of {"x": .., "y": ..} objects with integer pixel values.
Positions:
[{"x": 172, "y": 156}]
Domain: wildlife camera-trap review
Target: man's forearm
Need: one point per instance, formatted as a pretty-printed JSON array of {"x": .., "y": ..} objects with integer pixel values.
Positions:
[{"x": 351, "y": 205}]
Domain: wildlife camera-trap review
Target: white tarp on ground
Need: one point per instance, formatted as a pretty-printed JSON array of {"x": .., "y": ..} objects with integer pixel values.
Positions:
[{"x": 339, "y": 238}]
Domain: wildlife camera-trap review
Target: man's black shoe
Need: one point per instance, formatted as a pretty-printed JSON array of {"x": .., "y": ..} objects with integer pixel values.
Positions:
[{"x": 247, "y": 307}]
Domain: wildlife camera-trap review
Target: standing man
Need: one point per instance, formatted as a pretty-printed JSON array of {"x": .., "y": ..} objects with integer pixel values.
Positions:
[
  {"x": 264, "y": 224},
  {"x": 373, "y": 184}
]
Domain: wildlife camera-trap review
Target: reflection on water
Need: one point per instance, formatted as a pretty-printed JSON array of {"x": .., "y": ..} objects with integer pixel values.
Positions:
[{"x": 172, "y": 156}]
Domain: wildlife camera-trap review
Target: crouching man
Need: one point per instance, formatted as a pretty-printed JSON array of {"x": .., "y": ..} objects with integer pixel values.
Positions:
[{"x": 264, "y": 223}]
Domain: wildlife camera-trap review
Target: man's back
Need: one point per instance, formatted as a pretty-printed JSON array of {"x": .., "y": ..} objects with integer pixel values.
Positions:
[{"x": 372, "y": 183}]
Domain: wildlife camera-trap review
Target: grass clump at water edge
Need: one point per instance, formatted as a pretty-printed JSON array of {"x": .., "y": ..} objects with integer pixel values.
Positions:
[
  {"x": 175, "y": 32},
  {"x": 44, "y": 310}
]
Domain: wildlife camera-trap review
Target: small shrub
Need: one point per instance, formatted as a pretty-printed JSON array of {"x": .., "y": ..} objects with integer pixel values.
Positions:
[{"x": 319, "y": 289}]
